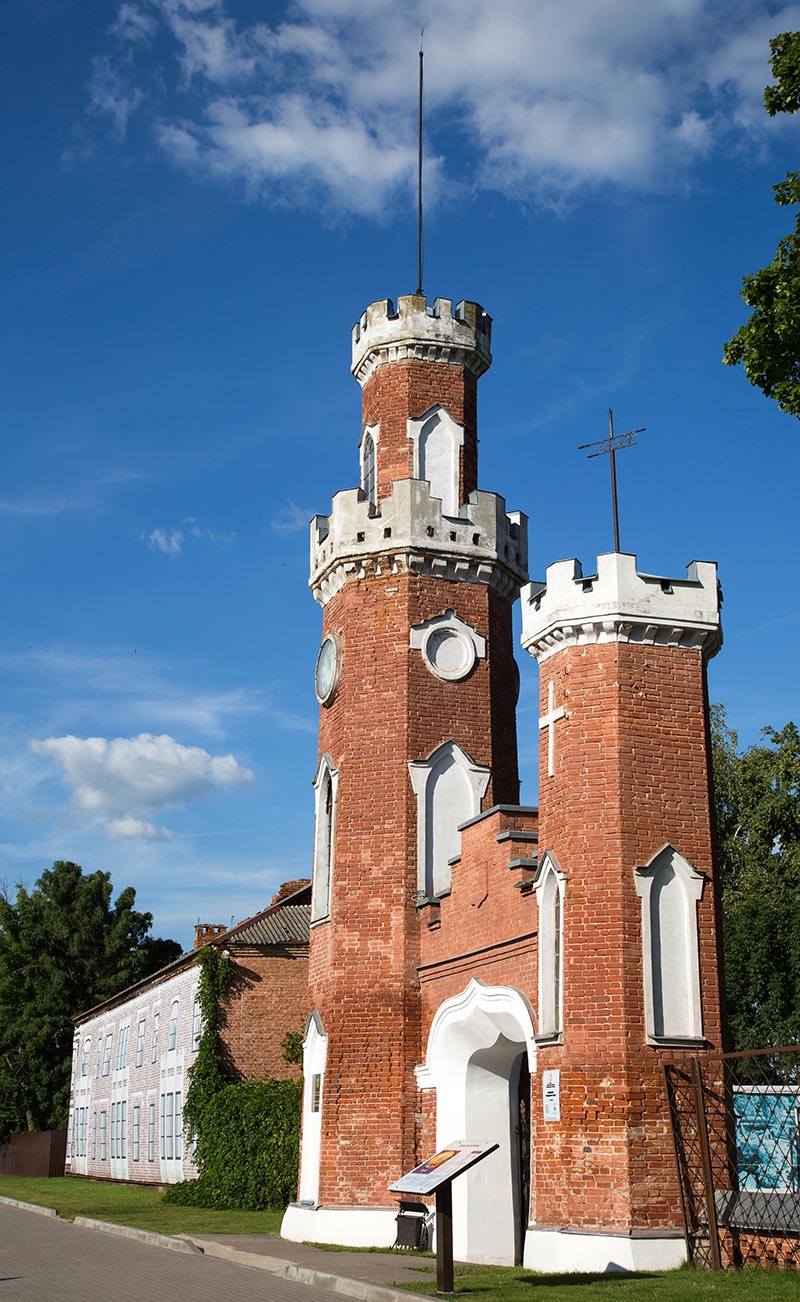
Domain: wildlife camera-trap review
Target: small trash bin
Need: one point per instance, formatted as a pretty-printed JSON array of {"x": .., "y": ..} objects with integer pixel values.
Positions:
[{"x": 412, "y": 1227}]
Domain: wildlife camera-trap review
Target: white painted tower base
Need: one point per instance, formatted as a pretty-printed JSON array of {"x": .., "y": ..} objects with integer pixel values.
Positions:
[
  {"x": 562, "y": 1251},
  {"x": 350, "y": 1227}
]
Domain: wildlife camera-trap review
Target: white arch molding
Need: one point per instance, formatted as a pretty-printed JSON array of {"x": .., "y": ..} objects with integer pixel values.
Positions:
[
  {"x": 315, "y": 1058},
  {"x": 437, "y": 441},
  {"x": 449, "y": 787},
  {"x": 477, "y": 1041}
]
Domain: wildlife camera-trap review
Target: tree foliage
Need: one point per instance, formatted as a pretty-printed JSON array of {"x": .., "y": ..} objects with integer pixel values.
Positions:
[
  {"x": 64, "y": 947},
  {"x": 768, "y": 344},
  {"x": 758, "y": 829}
]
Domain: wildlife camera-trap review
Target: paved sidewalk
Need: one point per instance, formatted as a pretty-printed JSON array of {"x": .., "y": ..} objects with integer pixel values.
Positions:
[
  {"x": 377, "y": 1269},
  {"x": 44, "y": 1258}
]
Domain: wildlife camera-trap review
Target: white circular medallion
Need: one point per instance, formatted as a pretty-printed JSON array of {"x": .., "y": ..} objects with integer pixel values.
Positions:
[
  {"x": 449, "y": 653},
  {"x": 328, "y": 670}
]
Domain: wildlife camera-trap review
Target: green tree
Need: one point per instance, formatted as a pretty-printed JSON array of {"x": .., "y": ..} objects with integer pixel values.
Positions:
[
  {"x": 768, "y": 344},
  {"x": 64, "y": 947},
  {"x": 758, "y": 830}
]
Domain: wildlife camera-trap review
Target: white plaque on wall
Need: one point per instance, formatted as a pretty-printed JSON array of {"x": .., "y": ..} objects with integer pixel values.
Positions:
[{"x": 551, "y": 1095}]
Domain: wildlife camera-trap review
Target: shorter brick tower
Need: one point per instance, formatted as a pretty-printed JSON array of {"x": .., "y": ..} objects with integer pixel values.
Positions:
[{"x": 628, "y": 927}]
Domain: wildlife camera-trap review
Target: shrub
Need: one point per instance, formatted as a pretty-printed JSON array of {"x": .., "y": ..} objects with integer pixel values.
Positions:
[{"x": 248, "y": 1149}]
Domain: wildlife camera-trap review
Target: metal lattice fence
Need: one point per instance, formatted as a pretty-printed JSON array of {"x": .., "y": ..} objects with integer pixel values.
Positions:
[{"x": 736, "y": 1128}]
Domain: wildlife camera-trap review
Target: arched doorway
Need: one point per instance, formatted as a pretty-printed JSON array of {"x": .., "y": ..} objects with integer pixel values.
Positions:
[{"x": 481, "y": 1049}]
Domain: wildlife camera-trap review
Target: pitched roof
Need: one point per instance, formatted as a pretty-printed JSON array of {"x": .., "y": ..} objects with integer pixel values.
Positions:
[{"x": 286, "y": 921}]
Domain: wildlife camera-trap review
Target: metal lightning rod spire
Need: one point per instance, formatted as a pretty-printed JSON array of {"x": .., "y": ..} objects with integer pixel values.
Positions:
[
  {"x": 419, "y": 173},
  {"x": 612, "y": 445}
]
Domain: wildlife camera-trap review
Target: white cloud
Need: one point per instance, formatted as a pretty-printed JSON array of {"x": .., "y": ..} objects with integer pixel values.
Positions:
[
  {"x": 130, "y": 774},
  {"x": 170, "y": 543},
  {"x": 291, "y": 518},
  {"x": 549, "y": 99},
  {"x": 129, "y": 828}
]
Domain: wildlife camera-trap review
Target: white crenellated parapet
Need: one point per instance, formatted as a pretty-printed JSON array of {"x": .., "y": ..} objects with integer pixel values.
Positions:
[
  {"x": 439, "y": 333},
  {"x": 618, "y": 604},
  {"x": 483, "y": 544}
]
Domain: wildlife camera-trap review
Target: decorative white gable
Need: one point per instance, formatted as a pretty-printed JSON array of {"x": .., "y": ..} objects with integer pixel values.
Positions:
[
  {"x": 670, "y": 889},
  {"x": 449, "y": 788},
  {"x": 326, "y": 781},
  {"x": 549, "y": 887},
  {"x": 438, "y": 440}
]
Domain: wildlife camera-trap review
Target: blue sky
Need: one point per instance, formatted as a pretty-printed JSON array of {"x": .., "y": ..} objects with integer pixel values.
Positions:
[{"x": 201, "y": 197}]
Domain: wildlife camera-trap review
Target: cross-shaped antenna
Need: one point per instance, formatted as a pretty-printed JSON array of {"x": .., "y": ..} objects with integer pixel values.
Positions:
[
  {"x": 612, "y": 445},
  {"x": 419, "y": 169}
]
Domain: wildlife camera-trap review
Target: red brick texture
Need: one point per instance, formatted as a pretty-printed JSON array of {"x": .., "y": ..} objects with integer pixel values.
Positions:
[
  {"x": 268, "y": 998},
  {"x": 631, "y": 774},
  {"x": 390, "y": 709},
  {"x": 401, "y": 391}
]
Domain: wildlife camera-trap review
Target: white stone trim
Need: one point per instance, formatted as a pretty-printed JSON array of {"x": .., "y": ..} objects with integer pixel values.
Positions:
[
  {"x": 475, "y": 1043},
  {"x": 429, "y": 636},
  {"x": 320, "y": 909},
  {"x": 484, "y": 544},
  {"x": 618, "y": 604},
  {"x": 315, "y": 1060},
  {"x": 550, "y": 999},
  {"x": 560, "y": 1252},
  {"x": 351, "y": 1227},
  {"x": 431, "y": 334},
  {"x": 669, "y": 967},
  {"x": 444, "y": 487},
  {"x": 421, "y": 772}
]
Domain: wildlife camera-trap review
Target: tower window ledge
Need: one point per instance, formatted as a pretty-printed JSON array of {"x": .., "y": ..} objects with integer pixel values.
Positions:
[
  {"x": 549, "y": 1037},
  {"x": 525, "y": 887},
  {"x": 517, "y": 835},
  {"x": 527, "y": 865},
  {"x": 678, "y": 1042}
]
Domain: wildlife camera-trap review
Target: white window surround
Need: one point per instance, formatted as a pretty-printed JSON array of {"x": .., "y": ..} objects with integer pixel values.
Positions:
[
  {"x": 315, "y": 1058},
  {"x": 475, "y": 1040},
  {"x": 325, "y": 778},
  {"x": 670, "y": 889},
  {"x": 172, "y": 1038},
  {"x": 438, "y": 440},
  {"x": 549, "y": 885},
  {"x": 369, "y": 432},
  {"x": 449, "y": 646},
  {"x": 449, "y": 787}
]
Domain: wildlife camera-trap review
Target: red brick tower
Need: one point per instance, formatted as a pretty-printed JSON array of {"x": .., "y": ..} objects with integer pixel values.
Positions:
[
  {"x": 416, "y": 571},
  {"x": 628, "y": 934}
]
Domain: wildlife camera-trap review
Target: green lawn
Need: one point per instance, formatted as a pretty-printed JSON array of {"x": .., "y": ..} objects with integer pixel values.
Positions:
[
  {"x": 131, "y": 1204},
  {"x": 504, "y": 1284}
]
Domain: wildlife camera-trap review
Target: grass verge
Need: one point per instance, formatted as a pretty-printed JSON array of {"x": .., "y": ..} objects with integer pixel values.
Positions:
[
  {"x": 513, "y": 1284},
  {"x": 132, "y": 1204}
]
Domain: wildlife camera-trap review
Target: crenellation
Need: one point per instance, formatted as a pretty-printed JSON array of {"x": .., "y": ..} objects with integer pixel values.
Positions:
[
  {"x": 485, "y": 544},
  {"x": 417, "y": 330}
]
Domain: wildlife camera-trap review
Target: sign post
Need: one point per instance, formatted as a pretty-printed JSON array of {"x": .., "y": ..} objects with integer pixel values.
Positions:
[{"x": 436, "y": 1176}]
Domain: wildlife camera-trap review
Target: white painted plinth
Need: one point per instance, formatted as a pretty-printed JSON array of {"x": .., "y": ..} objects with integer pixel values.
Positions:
[
  {"x": 553, "y": 1250},
  {"x": 350, "y": 1227}
]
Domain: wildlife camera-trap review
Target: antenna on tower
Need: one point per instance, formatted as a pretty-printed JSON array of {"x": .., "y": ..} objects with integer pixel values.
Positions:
[
  {"x": 419, "y": 171},
  {"x": 612, "y": 446}
]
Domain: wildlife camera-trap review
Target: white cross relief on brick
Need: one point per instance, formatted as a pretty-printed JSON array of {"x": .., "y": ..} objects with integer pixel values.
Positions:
[{"x": 549, "y": 721}]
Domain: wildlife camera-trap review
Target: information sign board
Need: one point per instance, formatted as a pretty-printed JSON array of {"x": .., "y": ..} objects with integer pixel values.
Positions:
[
  {"x": 551, "y": 1095},
  {"x": 451, "y": 1161}
]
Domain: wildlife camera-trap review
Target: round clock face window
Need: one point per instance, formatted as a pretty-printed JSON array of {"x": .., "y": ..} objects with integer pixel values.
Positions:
[
  {"x": 329, "y": 665},
  {"x": 449, "y": 654}
]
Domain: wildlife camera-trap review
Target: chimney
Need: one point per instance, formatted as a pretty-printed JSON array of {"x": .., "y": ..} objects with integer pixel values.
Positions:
[{"x": 206, "y": 931}]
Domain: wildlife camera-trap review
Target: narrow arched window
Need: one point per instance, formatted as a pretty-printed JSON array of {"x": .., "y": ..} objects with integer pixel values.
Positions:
[
  {"x": 368, "y": 470},
  {"x": 550, "y": 896},
  {"x": 325, "y": 799},
  {"x": 172, "y": 1040}
]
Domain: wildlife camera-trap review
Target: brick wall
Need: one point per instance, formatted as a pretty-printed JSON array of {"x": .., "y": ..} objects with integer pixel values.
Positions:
[
  {"x": 631, "y": 773},
  {"x": 402, "y": 391},
  {"x": 268, "y": 998}
]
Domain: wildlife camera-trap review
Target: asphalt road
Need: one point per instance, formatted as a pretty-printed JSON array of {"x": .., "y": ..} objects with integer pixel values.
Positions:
[{"x": 44, "y": 1259}]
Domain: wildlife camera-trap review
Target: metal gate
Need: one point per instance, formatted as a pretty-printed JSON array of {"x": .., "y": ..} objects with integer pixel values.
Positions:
[{"x": 736, "y": 1130}]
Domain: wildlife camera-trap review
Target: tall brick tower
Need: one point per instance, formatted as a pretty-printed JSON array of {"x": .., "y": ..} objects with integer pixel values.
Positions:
[
  {"x": 628, "y": 935},
  {"x": 416, "y": 571}
]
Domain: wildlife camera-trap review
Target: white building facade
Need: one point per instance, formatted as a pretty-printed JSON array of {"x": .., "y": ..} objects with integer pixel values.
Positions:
[{"x": 129, "y": 1068}]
